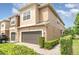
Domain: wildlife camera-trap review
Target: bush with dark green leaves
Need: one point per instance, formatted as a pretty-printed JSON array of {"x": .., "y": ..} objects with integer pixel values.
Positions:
[
  {"x": 66, "y": 45},
  {"x": 3, "y": 38},
  {"x": 12, "y": 49},
  {"x": 41, "y": 41},
  {"x": 51, "y": 44}
]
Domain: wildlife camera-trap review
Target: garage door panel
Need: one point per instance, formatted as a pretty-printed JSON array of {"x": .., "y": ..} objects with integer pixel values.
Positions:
[{"x": 31, "y": 37}]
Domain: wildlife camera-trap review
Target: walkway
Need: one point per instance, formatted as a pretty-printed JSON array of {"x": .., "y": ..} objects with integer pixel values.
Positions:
[{"x": 41, "y": 51}]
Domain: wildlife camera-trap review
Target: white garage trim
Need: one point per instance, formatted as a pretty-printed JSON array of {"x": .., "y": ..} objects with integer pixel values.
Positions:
[
  {"x": 31, "y": 37},
  {"x": 30, "y": 31}
]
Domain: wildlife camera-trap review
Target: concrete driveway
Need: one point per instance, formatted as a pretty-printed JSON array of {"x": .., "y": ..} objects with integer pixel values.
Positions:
[{"x": 41, "y": 51}]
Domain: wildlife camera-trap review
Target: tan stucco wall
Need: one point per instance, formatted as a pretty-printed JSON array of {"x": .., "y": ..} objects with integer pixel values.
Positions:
[
  {"x": 53, "y": 19},
  {"x": 53, "y": 28},
  {"x": 7, "y": 25},
  {"x": 6, "y": 32},
  {"x": 43, "y": 14}
]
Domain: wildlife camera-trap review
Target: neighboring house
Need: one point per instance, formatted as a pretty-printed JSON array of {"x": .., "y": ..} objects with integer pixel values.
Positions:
[
  {"x": 13, "y": 29},
  {"x": 4, "y": 27},
  {"x": 34, "y": 21}
]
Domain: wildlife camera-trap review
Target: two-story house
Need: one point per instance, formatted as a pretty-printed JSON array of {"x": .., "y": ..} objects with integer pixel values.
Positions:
[
  {"x": 38, "y": 20},
  {"x": 34, "y": 21},
  {"x": 4, "y": 27}
]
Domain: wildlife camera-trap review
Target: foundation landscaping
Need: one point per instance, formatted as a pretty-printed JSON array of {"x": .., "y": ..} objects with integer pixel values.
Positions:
[
  {"x": 69, "y": 43},
  {"x": 48, "y": 44}
]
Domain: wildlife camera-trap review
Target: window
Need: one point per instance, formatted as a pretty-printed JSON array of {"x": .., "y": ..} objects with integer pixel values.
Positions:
[
  {"x": 58, "y": 22},
  {"x": 2, "y": 25},
  {"x": 26, "y": 15},
  {"x": 12, "y": 22},
  {"x": 61, "y": 32}
]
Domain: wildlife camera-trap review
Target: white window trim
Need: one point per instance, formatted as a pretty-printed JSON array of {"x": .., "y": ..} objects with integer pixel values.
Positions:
[
  {"x": 25, "y": 14},
  {"x": 13, "y": 19}
]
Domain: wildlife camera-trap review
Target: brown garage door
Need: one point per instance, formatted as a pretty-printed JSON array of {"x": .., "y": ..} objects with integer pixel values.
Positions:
[
  {"x": 13, "y": 34},
  {"x": 31, "y": 37}
]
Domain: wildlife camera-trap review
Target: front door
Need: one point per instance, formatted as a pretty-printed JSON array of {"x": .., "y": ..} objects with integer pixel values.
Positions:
[{"x": 13, "y": 35}]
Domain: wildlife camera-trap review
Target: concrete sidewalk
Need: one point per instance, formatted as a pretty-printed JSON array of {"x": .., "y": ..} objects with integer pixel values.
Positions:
[{"x": 41, "y": 51}]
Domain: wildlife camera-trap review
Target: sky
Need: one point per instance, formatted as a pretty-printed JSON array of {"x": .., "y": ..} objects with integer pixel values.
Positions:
[{"x": 67, "y": 12}]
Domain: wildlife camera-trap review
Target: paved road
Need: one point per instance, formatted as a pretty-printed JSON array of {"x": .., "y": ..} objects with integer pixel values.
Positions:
[{"x": 41, "y": 51}]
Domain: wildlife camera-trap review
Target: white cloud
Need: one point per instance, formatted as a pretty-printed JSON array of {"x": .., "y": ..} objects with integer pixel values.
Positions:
[
  {"x": 63, "y": 13},
  {"x": 67, "y": 17},
  {"x": 74, "y": 10},
  {"x": 16, "y": 7},
  {"x": 71, "y": 12},
  {"x": 15, "y": 11},
  {"x": 19, "y": 5},
  {"x": 70, "y": 5}
]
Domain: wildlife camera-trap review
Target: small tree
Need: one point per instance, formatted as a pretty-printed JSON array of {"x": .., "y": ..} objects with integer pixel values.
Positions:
[
  {"x": 69, "y": 31},
  {"x": 77, "y": 24},
  {"x": 75, "y": 29}
]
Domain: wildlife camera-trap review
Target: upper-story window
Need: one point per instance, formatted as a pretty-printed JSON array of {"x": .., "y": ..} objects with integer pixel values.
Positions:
[
  {"x": 58, "y": 22},
  {"x": 2, "y": 25},
  {"x": 26, "y": 15},
  {"x": 13, "y": 21}
]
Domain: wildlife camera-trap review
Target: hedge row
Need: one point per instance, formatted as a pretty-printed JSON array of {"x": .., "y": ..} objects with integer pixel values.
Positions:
[
  {"x": 47, "y": 44},
  {"x": 66, "y": 45},
  {"x": 51, "y": 44}
]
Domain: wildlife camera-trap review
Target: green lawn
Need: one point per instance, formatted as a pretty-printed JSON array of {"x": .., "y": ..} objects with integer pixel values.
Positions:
[
  {"x": 75, "y": 47},
  {"x": 12, "y": 49}
]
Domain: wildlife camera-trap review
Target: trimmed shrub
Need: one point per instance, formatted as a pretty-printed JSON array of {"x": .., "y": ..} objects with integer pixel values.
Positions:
[
  {"x": 3, "y": 38},
  {"x": 66, "y": 45},
  {"x": 41, "y": 41},
  {"x": 51, "y": 44}
]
